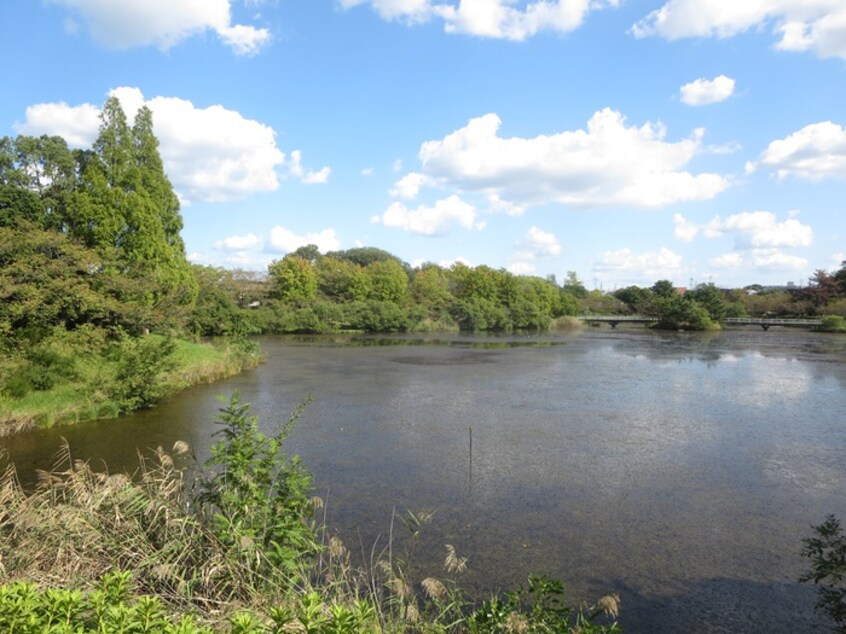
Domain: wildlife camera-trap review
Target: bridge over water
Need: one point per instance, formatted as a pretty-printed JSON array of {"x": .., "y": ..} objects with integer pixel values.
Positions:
[{"x": 764, "y": 322}]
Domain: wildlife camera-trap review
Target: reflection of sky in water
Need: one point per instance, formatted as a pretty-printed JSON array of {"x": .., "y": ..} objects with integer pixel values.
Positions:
[{"x": 649, "y": 462}]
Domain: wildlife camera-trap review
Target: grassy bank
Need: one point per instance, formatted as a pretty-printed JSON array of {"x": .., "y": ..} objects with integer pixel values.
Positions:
[{"x": 84, "y": 380}]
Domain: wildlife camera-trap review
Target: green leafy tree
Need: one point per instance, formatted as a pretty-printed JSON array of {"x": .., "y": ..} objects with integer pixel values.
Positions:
[
  {"x": 678, "y": 312},
  {"x": 365, "y": 255},
  {"x": 125, "y": 202},
  {"x": 573, "y": 285},
  {"x": 634, "y": 297},
  {"x": 33, "y": 169},
  {"x": 47, "y": 280},
  {"x": 664, "y": 289},
  {"x": 216, "y": 311},
  {"x": 343, "y": 280},
  {"x": 711, "y": 299},
  {"x": 840, "y": 278},
  {"x": 430, "y": 287},
  {"x": 292, "y": 279},
  {"x": 474, "y": 283},
  {"x": 388, "y": 281},
  {"x": 567, "y": 304}
]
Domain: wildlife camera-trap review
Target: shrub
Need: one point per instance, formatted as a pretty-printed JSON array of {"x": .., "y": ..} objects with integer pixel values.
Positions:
[
  {"x": 540, "y": 608},
  {"x": 42, "y": 370},
  {"x": 833, "y": 323},
  {"x": 141, "y": 364},
  {"x": 827, "y": 552},
  {"x": 254, "y": 497}
]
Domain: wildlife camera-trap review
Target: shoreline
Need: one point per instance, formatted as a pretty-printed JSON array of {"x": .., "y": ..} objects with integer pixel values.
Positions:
[{"x": 71, "y": 403}]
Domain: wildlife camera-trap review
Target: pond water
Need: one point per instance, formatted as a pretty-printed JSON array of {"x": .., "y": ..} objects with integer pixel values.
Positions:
[{"x": 680, "y": 470}]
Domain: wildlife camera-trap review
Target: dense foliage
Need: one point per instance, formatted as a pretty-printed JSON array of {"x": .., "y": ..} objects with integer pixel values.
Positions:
[
  {"x": 91, "y": 260},
  {"x": 368, "y": 289}
]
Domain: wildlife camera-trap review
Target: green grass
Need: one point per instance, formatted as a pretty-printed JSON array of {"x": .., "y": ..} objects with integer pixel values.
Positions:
[{"x": 86, "y": 396}]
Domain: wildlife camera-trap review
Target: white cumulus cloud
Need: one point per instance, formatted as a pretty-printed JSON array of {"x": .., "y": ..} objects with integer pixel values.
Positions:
[
  {"x": 285, "y": 241},
  {"x": 77, "y": 124},
  {"x": 410, "y": 185},
  {"x": 210, "y": 154},
  {"x": 500, "y": 19},
  {"x": 607, "y": 164},
  {"x": 706, "y": 91},
  {"x": 764, "y": 260},
  {"x": 309, "y": 177},
  {"x": 776, "y": 260},
  {"x": 685, "y": 230},
  {"x": 752, "y": 229},
  {"x": 803, "y": 25},
  {"x": 626, "y": 265},
  {"x": 541, "y": 243},
  {"x": 163, "y": 23},
  {"x": 731, "y": 260},
  {"x": 536, "y": 243},
  {"x": 238, "y": 243},
  {"x": 431, "y": 221},
  {"x": 815, "y": 152}
]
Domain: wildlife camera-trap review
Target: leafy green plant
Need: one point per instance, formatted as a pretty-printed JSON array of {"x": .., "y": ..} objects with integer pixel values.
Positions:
[
  {"x": 540, "y": 608},
  {"x": 256, "y": 498},
  {"x": 108, "y": 609},
  {"x": 42, "y": 369},
  {"x": 141, "y": 365},
  {"x": 827, "y": 552}
]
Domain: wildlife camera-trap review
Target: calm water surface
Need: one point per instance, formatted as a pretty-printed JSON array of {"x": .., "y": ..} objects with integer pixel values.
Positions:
[{"x": 681, "y": 471}]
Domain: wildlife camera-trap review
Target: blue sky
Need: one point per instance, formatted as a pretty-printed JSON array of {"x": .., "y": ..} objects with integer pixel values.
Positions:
[{"x": 625, "y": 140}]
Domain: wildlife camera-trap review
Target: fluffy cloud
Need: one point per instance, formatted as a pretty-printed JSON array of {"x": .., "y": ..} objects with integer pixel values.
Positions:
[
  {"x": 728, "y": 261},
  {"x": 163, "y": 23},
  {"x": 706, "y": 91},
  {"x": 308, "y": 177},
  {"x": 285, "y": 241},
  {"x": 77, "y": 124},
  {"x": 815, "y": 152},
  {"x": 541, "y": 243},
  {"x": 431, "y": 221},
  {"x": 775, "y": 260},
  {"x": 752, "y": 229},
  {"x": 210, "y": 154},
  {"x": 804, "y": 25},
  {"x": 607, "y": 164},
  {"x": 409, "y": 185},
  {"x": 238, "y": 243},
  {"x": 536, "y": 243},
  {"x": 490, "y": 18},
  {"x": 685, "y": 230},
  {"x": 761, "y": 259},
  {"x": 625, "y": 265}
]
